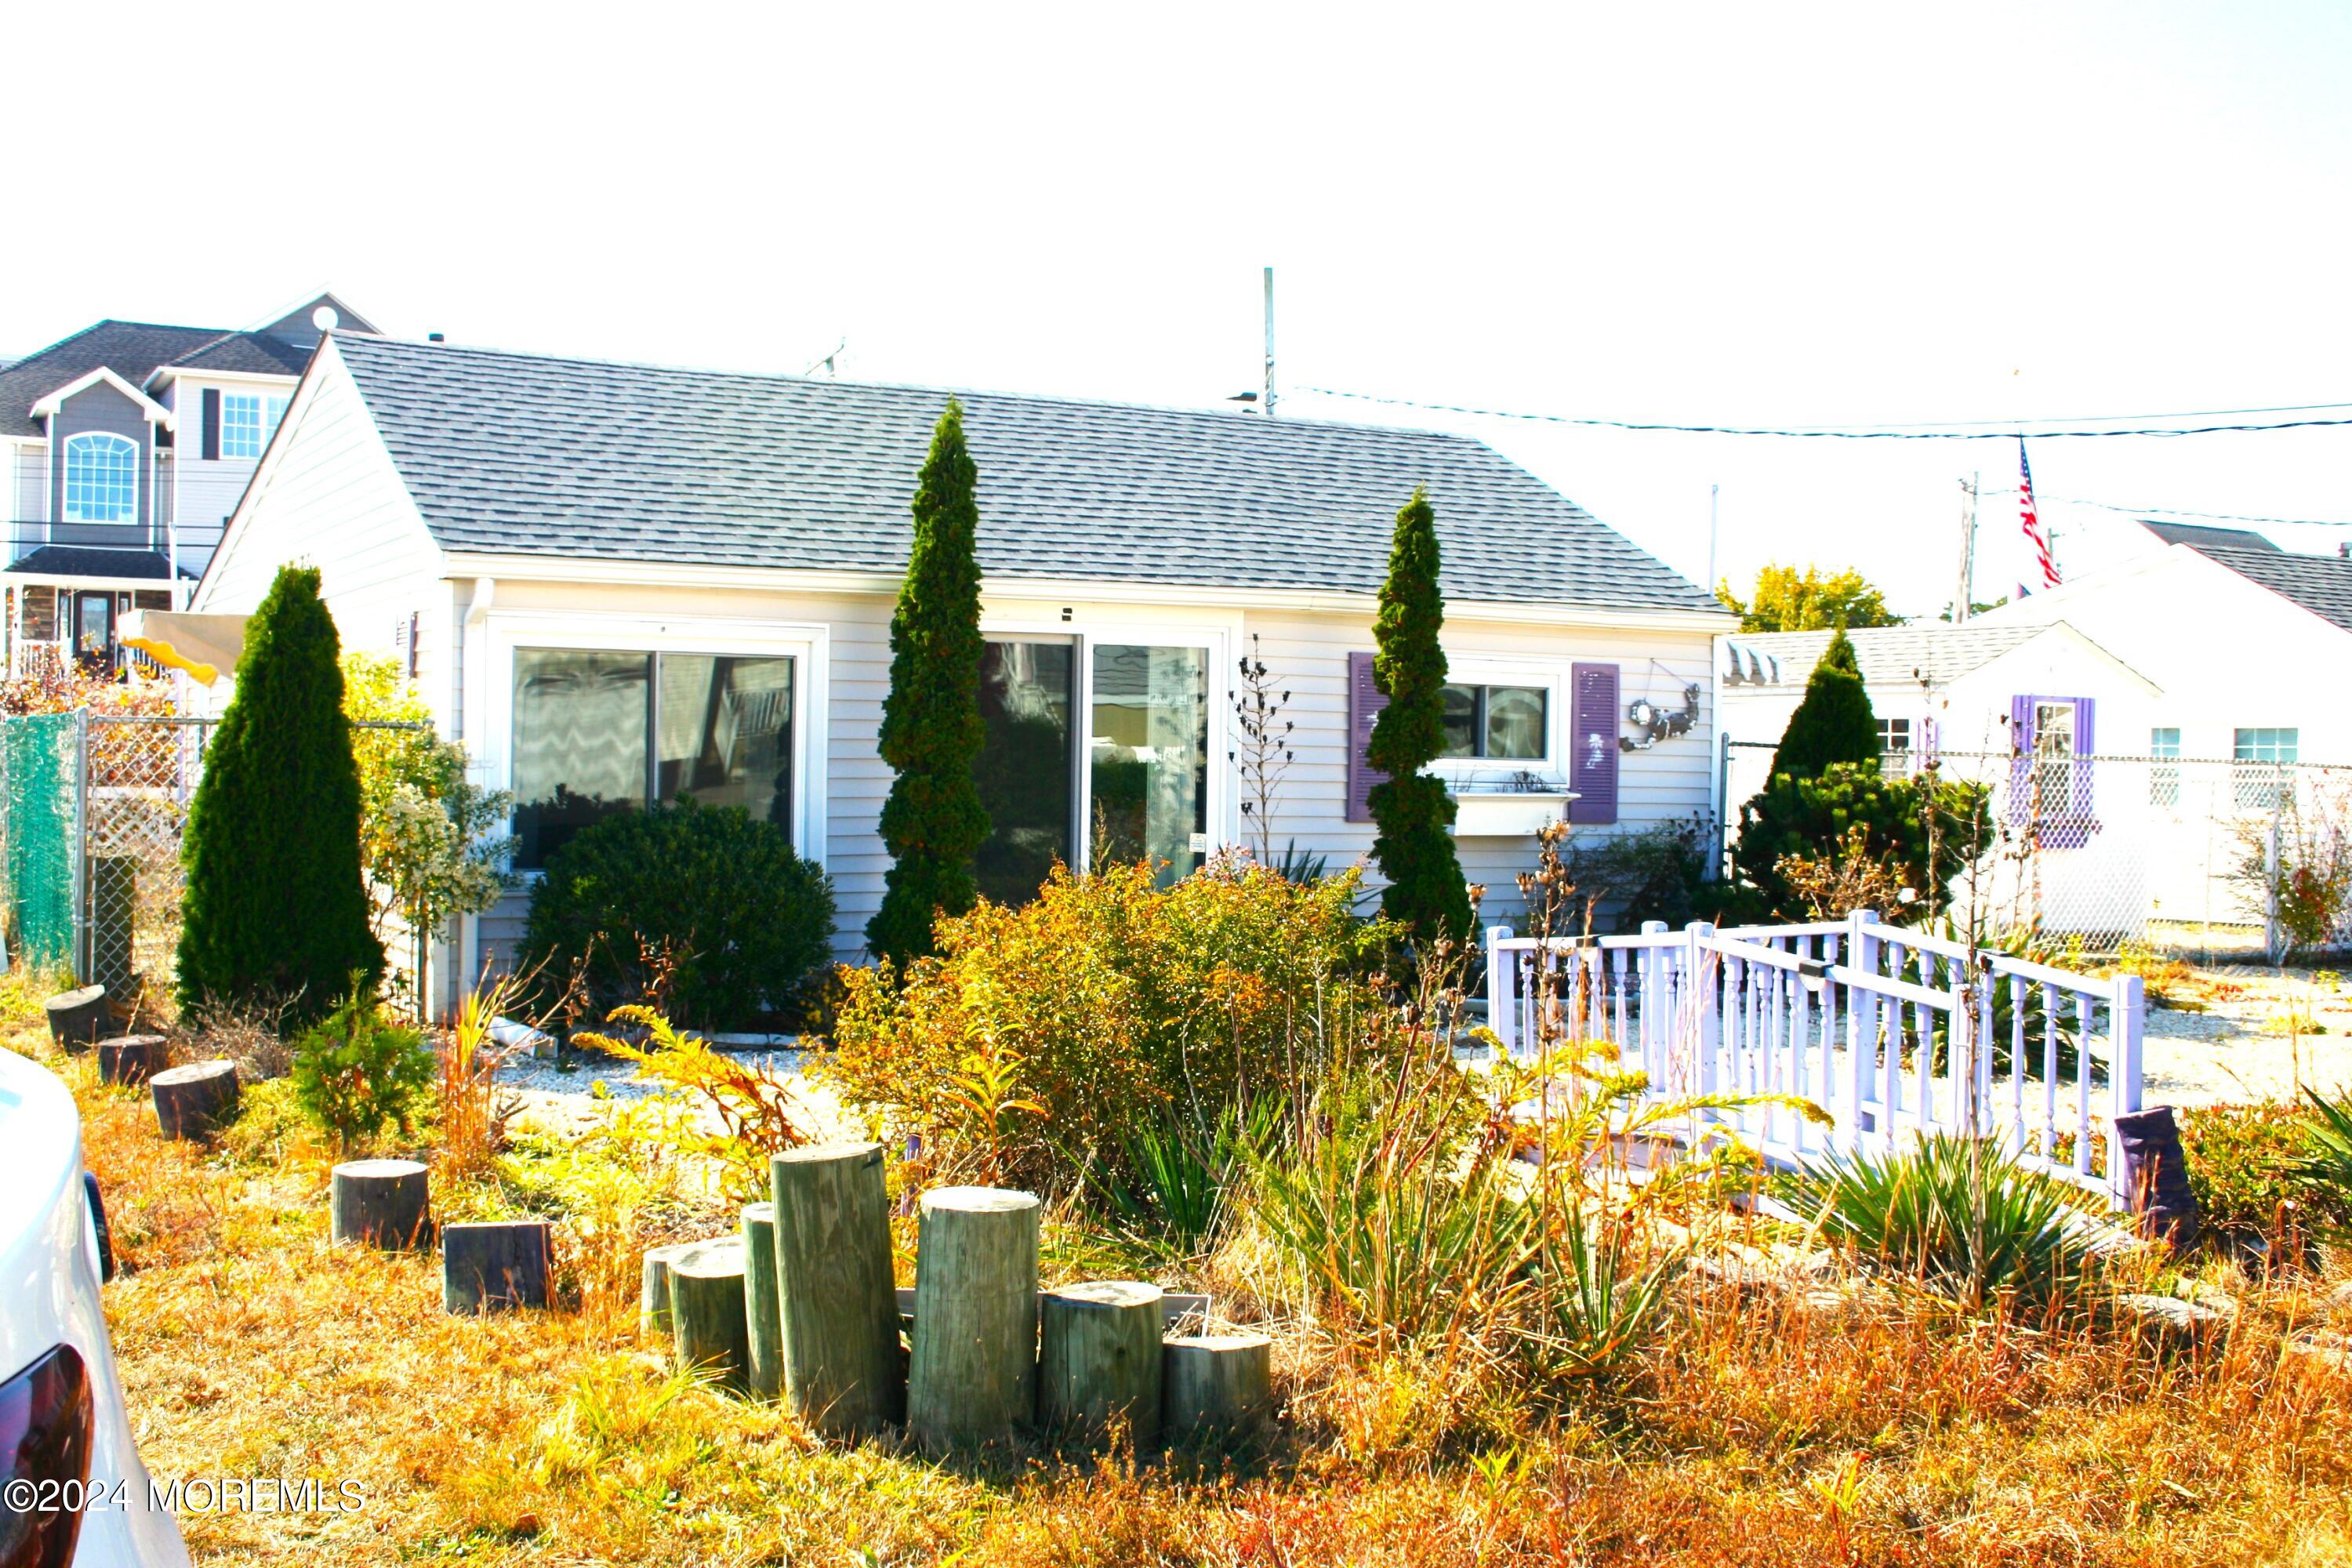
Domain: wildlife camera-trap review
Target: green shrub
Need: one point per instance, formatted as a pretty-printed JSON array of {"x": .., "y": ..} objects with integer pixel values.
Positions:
[
  {"x": 701, "y": 906},
  {"x": 1955, "y": 1214},
  {"x": 1833, "y": 724},
  {"x": 1104, "y": 1002},
  {"x": 1811, "y": 818},
  {"x": 356, "y": 1072},
  {"x": 933, "y": 823},
  {"x": 2242, "y": 1165},
  {"x": 275, "y": 911},
  {"x": 1412, "y": 809}
]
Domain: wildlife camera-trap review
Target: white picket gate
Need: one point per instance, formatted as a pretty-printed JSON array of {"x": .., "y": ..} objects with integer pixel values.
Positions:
[{"x": 1883, "y": 1027}]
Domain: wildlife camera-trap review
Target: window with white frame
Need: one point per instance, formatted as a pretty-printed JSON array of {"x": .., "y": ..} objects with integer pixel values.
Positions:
[
  {"x": 2264, "y": 757},
  {"x": 1498, "y": 722},
  {"x": 248, "y": 422},
  {"x": 2164, "y": 766},
  {"x": 597, "y": 731},
  {"x": 102, "y": 478},
  {"x": 1895, "y": 747}
]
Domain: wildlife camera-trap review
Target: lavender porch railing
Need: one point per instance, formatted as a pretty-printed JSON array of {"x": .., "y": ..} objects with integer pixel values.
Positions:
[{"x": 1879, "y": 1024}]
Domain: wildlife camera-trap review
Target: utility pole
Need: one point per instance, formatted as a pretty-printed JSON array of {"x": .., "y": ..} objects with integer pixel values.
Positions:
[
  {"x": 1968, "y": 549},
  {"x": 1265, "y": 397}
]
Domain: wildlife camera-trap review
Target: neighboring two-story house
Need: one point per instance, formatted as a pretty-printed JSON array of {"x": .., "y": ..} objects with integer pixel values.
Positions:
[{"x": 126, "y": 447}]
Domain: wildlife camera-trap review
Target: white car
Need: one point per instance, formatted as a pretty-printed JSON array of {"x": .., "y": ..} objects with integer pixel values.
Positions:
[{"x": 72, "y": 1490}]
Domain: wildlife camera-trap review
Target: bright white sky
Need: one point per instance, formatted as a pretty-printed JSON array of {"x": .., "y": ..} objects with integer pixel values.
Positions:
[{"x": 1745, "y": 214}]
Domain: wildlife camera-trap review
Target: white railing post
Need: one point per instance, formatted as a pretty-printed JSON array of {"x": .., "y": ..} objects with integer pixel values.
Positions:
[
  {"x": 1656, "y": 1027},
  {"x": 1861, "y": 1028},
  {"x": 1502, "y": 1017},
  {"x": 1699, "y": 989},
  {"x": 2126, "y": 1015}
]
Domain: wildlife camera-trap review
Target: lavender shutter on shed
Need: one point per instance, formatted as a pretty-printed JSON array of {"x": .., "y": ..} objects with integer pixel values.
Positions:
[
  {"x": 2085, "y": 747},
  {"x": 2021, "y": 751},
  {"x": 1365, "y": 701},
  {"x": 1592, "y": 748}
]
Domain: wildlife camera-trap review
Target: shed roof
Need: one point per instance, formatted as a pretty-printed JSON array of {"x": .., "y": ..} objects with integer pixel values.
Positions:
[
  {"x": 1891, "y": 658},
  {"x": 509, "y": 453}
]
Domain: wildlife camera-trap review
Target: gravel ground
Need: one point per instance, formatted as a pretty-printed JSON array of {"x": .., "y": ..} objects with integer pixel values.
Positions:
[{"x": 559, "y": 1095}]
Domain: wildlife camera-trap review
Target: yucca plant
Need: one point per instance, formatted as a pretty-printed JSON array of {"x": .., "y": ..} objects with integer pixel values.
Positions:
[
  {"x": 1955, "y": 1214},
  {"x": 1604, "y": 1287},
  {"x": 1177, "y": 1200},
  {"x": 2327, "y": 1147}
]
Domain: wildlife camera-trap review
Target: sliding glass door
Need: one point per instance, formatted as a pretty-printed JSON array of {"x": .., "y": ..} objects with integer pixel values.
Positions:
[
  {"x": 1138, "y": 788},
  {"x": 1149, "y": 755}
]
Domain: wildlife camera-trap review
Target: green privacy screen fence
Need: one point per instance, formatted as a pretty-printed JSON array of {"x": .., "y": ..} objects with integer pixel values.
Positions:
[{"x": 38, "y": 768}]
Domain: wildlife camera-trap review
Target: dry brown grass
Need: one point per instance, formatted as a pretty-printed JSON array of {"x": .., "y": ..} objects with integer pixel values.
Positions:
[{"x": 1763, "y": 1428}]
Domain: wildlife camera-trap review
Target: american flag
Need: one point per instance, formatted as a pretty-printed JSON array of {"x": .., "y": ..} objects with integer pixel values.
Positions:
[{"x": 2032, "y": 518}]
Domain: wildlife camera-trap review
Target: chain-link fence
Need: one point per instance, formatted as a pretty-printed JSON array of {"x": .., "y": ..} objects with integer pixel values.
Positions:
[
  {"x": 2209, "y": 859},
  {"x": 93, "y": 807}
]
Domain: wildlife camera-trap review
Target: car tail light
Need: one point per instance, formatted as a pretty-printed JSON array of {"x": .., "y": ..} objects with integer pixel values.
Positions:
[{"x": 46, "y": 1416}]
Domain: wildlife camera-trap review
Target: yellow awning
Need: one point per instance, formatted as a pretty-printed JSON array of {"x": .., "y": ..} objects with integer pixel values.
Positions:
[{"x": 206, "y": 646}]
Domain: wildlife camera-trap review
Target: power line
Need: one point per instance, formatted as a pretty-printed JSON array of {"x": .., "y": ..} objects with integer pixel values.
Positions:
[
  {"x": 2207, "y": 516},
  {"x": 2009, "y": 430}
]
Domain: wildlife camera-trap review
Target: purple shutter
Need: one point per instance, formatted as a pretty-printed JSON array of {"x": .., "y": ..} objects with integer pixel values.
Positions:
[
  {"x": 1365, "y": 701},
  {"x": 2021, "y": 752},
  {"x": 2086, "y": 822},
  {"x": 1929, "y": 736},
  {"x": 1592, "y": 743},
  {"x": 210, "y": 444}
]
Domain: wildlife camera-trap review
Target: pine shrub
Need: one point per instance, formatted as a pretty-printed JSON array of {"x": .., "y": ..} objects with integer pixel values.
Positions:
[
  {"x": 1801, "y": 818},
  {"x": 705, "y": 910},
  {"x": 275, "y": 912},
  {"x": 1833, "y": 724},
  {"x": 1425, "y": 894},
  {"x": 357, "y": 1072},
  {"x": 933, "y": 824}
]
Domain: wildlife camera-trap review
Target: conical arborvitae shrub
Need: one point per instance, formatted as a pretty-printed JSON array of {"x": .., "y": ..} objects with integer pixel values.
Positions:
[
  {"x": 1833, "y": 724},
  {"x": 275, "y": 912},
  {"x": 1427, "y": 893},
  {"x": 933, "y": 823}
]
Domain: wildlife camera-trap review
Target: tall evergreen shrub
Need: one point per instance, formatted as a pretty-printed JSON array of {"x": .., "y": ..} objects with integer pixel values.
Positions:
[
  {"x": 275, "y": 910},
  {"x": 931, "y": 731},
  {"x": 1833, "y": 724},
  {"x": 1425, "y": 894}
]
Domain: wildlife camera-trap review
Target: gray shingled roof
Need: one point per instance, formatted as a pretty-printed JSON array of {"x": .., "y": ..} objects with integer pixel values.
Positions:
[
  {"x": 2320, "y": 583},
  {"x": 86, "y": 560},
  {"x": 252, "y": 353},
  {"x": 1891, "y": 658},
  {"x": 132, "y": 350},
  {"x": 519, "y": 453}
]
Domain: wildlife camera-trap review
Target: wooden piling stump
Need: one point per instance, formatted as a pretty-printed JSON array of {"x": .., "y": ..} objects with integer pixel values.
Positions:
[
  {"x": 764, "y": 1326},
  {"x": 493, "y": 1266},
  {"x": 129, "y": 1058},
  {"x": 1217, "y": 1382},
  {"x": 653, "y": 1298},
  {"x": 79, "y": 1019},
  {"x": 193, "y": 1100},
  {"x": 842, "y": 1372},
  {"x": 1099, "y": 1357},
  {"x": 379, "y": 1203},
  {"x": 974, "y": 1372},
  {"x": 708, "y": 1321}
]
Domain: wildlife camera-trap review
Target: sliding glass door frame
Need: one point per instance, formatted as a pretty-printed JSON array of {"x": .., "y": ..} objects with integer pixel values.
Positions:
[
  {"x": 1085, "y": 636},
  {"x": 491, "y": 739}
]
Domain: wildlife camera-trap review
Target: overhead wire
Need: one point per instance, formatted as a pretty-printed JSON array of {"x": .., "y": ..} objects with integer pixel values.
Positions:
[{"x": 1955, "y": 430}]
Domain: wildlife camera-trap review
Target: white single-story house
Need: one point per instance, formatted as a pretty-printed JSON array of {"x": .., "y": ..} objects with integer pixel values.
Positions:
[
  {"x": 617, "y": 582},
  {"x": 2248, "y": 641}
]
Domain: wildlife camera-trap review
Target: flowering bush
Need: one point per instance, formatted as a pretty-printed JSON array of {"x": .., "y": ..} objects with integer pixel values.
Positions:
[{"x": 1039, "y": 1038}]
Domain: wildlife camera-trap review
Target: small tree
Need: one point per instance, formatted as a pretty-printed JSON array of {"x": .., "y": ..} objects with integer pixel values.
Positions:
[
  {"x": 933, "y": 823},
  {"x": 1833, "y": 724},
  {"x": 429, "y": 843},
  {"x": 276, "y": 912},
  {"x": 1425, "y": 894},
  {"x": 1263, "y": 755},
  {"x": 1788, "y": 600},
  {"x": 1920, "y": 833}
]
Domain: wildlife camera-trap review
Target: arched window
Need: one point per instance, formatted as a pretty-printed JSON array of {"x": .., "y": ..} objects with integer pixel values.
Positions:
[{"x": 102, "y": 478}]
